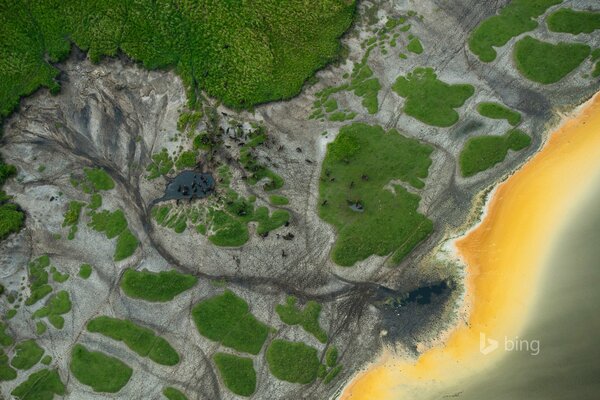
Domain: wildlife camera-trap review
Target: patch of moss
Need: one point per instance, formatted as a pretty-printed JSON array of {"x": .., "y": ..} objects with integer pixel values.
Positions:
[
  {"x": 173, "y": 394},
  {"x": 277, "y": 200},
  {"x": 85, "y": 271},
  {"x": 371, "y": 215},
  {"x": 156, "y": 286},
  {"x": 548, "y": 63},
  {"x": 186, "y": 159},
  {"x": 7, "y": 373},
  {"x": 237, "y": 373},
  {"x": 483, "y": 152},
  {"x": 5, "y": 339},
  {"x": 293, "y": 361},
  {"x": 573, "y": 22},
  {"x": 415, "y": 46},
  {"x": 227, "y": 319},
  {"x": 41, "y": 385},
  {"x": 161, "y": 164},
  {"x": 308, "y": 318},
  {"x": 38, "y": 280},
  {"x": 431, "y": 100},
  {"x": 98, "y": 179},
  {"x": 58, "y": 305},
  {"x": 101, "y": 372},
  {"x": 139, "y": 339},
  {"x": 499, "y": 111},
  {"x": 27, "y": 354},
  {"x": 110, "y": 223},
  {"x": 127, "y": 243}
]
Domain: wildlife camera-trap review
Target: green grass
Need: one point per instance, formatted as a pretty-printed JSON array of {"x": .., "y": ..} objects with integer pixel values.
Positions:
[
  {"x": 548, "y": 63},
  {"x": 431, "y": 100},
  {"x": 242, "y": 53},
  {"x": 331, "y": 356},
  {"x": 227, "y": 319},
  {"x": 173, "y": 394},
  {"x": 27, "y": 354},
  {"x": 308, "y": 318},
  {"x": 7, "y": 373},
  {"x": 40, "y": 328},
  {"x": 98, "y": 179},
  {"x": 85, "y": 271},
  {"x": 139, "y": 339},
  {"x": 277, "y": 200},
  {"x": 161, "y": 164},
  {"x": 57, "y": 276},
  {"x": 358, "y": 168},
  {"x": 415, "y": 46},
  {"x": 11, "y": 219},
  {"x": 41, "y": 385},
  {"x": 127, "y": 243},
  {"x": 483, "y": 152},
  {"x": 38, "y": 280},
  {"x": 514, "y": 19},
  {"x": 95, "y": 201},
  {"x": 46, "y": 360},
  {"x": 574, "y": 22},
  {"x": 499, "y": 111},
  {"x": 237, "y": 373},
  {"x": 58, "y": 305},
  {"x": 156, "y": 286},
  {"x": 187, "y": 159},
  {"x": 101, "y": 372},
  {"x": 293, "y": 361},
  {"x": 110, "y": 223},
  {"x": 5, "y": 339}
]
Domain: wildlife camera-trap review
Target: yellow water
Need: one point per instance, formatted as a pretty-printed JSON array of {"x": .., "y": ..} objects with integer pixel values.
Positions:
[{"x": 504, "y": 256}]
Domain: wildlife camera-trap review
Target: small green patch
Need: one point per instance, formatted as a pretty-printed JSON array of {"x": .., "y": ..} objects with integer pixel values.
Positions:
[
  {"x": 187, "y": 159},
  {"x": 238, "y": 373},
  {"x": 58, "y": 305},
  {"x": 173, "y": 394},
  {"x": 41, "y": 385},
  {"x": 98, "y": 179},
  {"x": 40, "y": 328},
  {"x": 331, "y": 356},
  {"x": 277, "y": 200},
  {"x": 101, "y": 372},
  {"x": 415, "y": 46},
  {"x": 574, "y": 22},
  {"x": 85, "y": 271},
  {"x": 7, "y": 373},
  {"x": 162, "y": 164},
  {"x": 548, "y": 63},
  {"x": 71, "y": 218},
  {"x": 28, "y": 353},
  {"x": 308, "y": 318},
  {"x": 431, "y": 100},
  {"x": 111, "y": 223},
  {"x": 127, "y": 243},
  {"x": 156, "y": 286},
  {"x": 95, "y": 201},
  {"x": 514, "y": 19},
  {"x": 483, "y": 152},
  {"x": 11, "y": 219},
  {"x": 5, "y": 339},
  {"x": 293, "y": 361},
  {"x": 46, "y": 360},
  {"x": 498, "y": 111},
  {"x": 227, "y": 319},
  {"x": 38, "y": 280},
  {"x": 139, "y": 339}
]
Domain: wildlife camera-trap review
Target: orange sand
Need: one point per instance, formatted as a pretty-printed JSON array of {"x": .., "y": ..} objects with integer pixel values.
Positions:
[{"x": 504, "y": 256}]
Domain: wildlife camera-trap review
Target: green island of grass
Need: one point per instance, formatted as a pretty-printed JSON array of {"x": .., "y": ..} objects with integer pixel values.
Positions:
[
  {"x": 360, "y": 196},
  {"x": 431, "y": 100},
  {"x": 114, "y": 224},
  {"x": 101, "y": 372},
  {"x": 173, "y": 394},
  {"x": 127, "y": 243},
  {"x": 27, "y": 354},
  {"x": 58, "y": 305},
  {"x": 139, "y": 339},
  {"x": 514, "y": 19},
  {"x": 243, "y": 54},
  {"x": 237, "y": 373},
  {"x": 308, "y": 318},
  {"x": 38, "y": 280},
  {"x": 5, "y": 339},
  {"x": 575, "y": 22},
  {"x": 11, "y": 217},
  {"x": 156, "y": 286},
  {"x": 415, "y": 46},
  {"x": 97, "y": 179},
  {"x": 499, "y": 111},
  {"x": 483, "y": 152},
  {"x": 227, "y": 319},
  {"x": 85, "y": 271},
  {"x": 7, "y": 373},
  {"x": 548, "y": 63},
  {"x": 40, "y": 385},
  {"x": 277, "y": 200},
  {"x": 293, "y": 361}
]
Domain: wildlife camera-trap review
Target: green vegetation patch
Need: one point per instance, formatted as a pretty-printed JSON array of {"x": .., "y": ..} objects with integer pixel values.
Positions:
[
  {"x": 242, "y": 53},
  {"x": 85, "y": 271},
  {"x": 101, "y": 372},
  {"x": 7, "y": 373},
  {"x": 41, "y": 385},
  {"x": 574, "y": 22},
  {"x": 161, "y": 164},
  {"x": 483, "y": 152},
  {"x": 38, "y": 280},
  {"x": 499, "y": 111},
  {"x": 187, "y": 159},
  {"x": 5, "y": 339},
  {"x": 547, "y": 63},
  {"x": 415, "y": 46},
  {"x": 237, "y": 373},
  {"x": 358, "y": 193},
  {"x": 58, "y": 305},
  {"x": 156, "y": 286},
  {"x": 99, "y": 179},
  {"x": 227, "y": 319},
  {"x": 127, "y": 243},
  {"x": 277, "y": 200},
  {"x": 27, "y": 354},
  {"x": 308, "y": 318},
  {"x": 173, "y": 394},
  {"x": 293, "y": 361},
  {"x": 11, "y": 218},
  {"x": 110, "y": 223},
  {"x": 431, "y": 100},
  {"x": 516, "y": 18},
  {"x": 139, "y": 339}
]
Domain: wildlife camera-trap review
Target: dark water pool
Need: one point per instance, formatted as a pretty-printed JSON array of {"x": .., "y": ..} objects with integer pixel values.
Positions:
[{"x": 189, "y": 185}]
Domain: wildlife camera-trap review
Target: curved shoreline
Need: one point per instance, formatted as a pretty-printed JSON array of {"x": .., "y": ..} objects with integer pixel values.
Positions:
[{"x": 505, "y": 253}]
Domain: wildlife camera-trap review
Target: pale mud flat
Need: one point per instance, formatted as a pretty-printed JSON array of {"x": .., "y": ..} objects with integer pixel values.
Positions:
[{"x": 527, "y": 280}]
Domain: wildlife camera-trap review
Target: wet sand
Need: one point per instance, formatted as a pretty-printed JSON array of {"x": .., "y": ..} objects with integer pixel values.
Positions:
[{"x": 505, "y": 255}]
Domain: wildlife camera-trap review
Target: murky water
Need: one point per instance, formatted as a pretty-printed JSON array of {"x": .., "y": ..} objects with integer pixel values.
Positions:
[
  {"x": 565, "y": 323},
  {"x": 188, "y": 185}
]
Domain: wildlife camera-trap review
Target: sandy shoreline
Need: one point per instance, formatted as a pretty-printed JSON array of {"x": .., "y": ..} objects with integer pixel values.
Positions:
[{"x": 504, "y": 254}]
